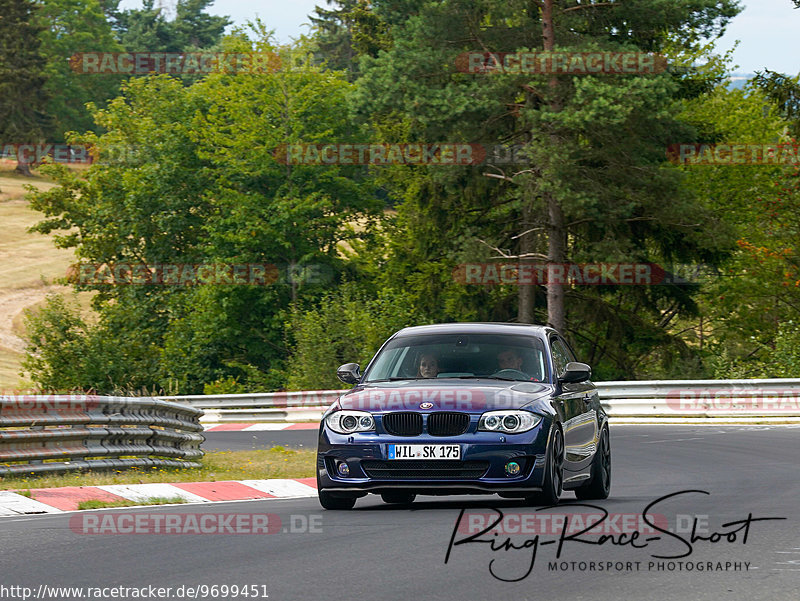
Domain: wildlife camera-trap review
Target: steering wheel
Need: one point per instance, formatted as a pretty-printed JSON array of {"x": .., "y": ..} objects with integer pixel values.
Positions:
[{"x": 510, "y": 372}]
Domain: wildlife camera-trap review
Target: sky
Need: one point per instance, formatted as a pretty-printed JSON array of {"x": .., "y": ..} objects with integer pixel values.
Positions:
[{"x": 767, "y": 29}]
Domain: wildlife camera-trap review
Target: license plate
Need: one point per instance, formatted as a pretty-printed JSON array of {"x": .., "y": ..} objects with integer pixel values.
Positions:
[{"x": 424, "y": 451}]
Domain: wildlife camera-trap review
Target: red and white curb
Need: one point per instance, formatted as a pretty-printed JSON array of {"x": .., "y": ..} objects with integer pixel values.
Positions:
[
  {"x": 65, "y": 499},
  {"x": 262, "y": 427}
]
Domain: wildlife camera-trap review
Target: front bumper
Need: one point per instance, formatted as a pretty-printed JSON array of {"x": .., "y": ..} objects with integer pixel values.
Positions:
[{"x": 481, "y": 468}]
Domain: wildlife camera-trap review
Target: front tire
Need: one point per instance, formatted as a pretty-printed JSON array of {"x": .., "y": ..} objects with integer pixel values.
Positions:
[
  {"x": 554, "y": 473},
  {"x": 599, "y": 485}
]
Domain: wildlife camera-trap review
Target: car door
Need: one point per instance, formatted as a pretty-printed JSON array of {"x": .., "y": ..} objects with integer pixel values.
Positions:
[{"x": 576, "y": 400}]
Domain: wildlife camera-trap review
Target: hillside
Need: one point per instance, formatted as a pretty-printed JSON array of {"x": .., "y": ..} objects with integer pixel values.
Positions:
[{"x": 29, "y": 264}]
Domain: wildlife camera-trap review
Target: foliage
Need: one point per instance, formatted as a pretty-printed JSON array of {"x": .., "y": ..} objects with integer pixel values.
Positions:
[
  {"x": 593, "y": 146},
  {"x": 193, "y": 171},
  {"x": 347, "y": 326},
  {"x": 199, "y": 180},
  {"x": 344, "y": 34},
  {"x": 23, "y": 93},
  {"x": 70, "y": 26},
  {"x": 66, "y": 353},
  {"x": 778, "y": 360},
  {"x": 147, "y": 28},
  {"x": 753, "y": 291}
]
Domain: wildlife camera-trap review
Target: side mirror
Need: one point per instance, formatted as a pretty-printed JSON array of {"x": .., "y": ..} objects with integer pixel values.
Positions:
[
  {"x": 576, "y": 372},
  {"x": 349, "y": 373}
]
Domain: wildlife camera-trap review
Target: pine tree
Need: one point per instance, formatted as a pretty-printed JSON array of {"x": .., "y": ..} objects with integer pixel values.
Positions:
[
  {"x": 592, "y": 185},
  {"x": 22, "y": 78}
]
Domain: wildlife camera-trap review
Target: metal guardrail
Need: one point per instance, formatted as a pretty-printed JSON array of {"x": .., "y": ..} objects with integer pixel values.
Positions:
[
  {"x": 768, "y": 398},
  {"x": 64, "y": 432},
  {"x": 774, "y": 399},
  {"x": 261, "y": 406}
]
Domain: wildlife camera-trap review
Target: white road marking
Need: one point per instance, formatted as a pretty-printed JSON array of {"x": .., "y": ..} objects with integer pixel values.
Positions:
[
  {"x": 18, "y": 504},
  {"x": 282, "y": 488},
  {"x": 673, "y": 440}
]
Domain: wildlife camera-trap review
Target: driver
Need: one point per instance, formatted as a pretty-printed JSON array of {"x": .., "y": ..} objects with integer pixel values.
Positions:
[{"x": 509, "y": 359}]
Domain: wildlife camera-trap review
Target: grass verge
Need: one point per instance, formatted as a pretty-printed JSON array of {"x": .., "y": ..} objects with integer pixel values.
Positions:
[{"x": 276, "y": 462}]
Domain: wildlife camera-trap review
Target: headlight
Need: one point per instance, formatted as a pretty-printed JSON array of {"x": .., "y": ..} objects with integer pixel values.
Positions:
[
  {"x": 510, "y": 422},
  {"x": 347, "y": 422}
]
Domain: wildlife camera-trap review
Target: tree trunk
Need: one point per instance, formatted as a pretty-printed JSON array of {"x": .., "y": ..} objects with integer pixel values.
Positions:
[
  {"x": 556, "y": 235},
  {"x": 556, "y": 253},
  {"x": 526, "y": 292},
  {"x": 548, "y": 32},
  {"x": 23, "y": 168}
]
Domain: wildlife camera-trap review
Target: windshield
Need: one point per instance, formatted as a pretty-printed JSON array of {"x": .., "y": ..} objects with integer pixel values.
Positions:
[{"x": 505, "y": 357}]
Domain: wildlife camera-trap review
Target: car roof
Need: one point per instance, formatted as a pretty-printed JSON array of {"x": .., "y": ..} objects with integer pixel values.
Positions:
[{"x": 478, "y": 328}]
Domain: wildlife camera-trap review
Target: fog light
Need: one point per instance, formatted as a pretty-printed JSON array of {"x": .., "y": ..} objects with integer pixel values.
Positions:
[
  {"x": 343, "y": 469},
  {"x": 512, "y": 468}
]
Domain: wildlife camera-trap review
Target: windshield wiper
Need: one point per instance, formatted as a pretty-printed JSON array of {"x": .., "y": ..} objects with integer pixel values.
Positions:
[
  {"x": 488, "y": 378},
  {"x": 397, "y": 379},
  {"x": 400, "y": 379}
]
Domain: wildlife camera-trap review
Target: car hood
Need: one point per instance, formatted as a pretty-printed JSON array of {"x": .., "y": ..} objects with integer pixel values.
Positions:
[{"x": 469, "y": 396}]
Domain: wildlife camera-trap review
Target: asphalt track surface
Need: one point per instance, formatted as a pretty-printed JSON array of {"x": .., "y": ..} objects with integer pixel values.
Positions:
[{"x": 380, "y": 552}]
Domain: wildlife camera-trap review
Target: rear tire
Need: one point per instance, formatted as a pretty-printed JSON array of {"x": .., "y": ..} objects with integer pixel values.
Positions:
[
  {"x": 329, "y": 501},
  {"x": 554, "y": 473},
  {"x": 398, "y": 498},
  {"x": 599, "y": 485}
]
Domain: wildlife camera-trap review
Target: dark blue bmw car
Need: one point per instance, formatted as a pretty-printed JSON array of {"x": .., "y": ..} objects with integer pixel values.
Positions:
[{"x": 466, "y": 408}]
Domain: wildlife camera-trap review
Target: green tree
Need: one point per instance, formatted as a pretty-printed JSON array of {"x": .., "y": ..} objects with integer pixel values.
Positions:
[
  {"x": 345, "y": 33},
  {"x": 348, "y": 325},
  {"x": 202, "y": 181},
  {"x": 594, "y": 179},
  {"x": 147, "y": 29},
  {"x": 146, "y": 206},
  {"x": 747, "y": 297},
  {"x": 267, "y": 211},
  {"x": 23, "y": 96},
  {"x": 69, "y": 27}
]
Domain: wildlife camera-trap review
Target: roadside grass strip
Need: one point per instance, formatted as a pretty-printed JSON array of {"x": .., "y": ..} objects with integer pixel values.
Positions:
[
  {"x": 277, "y": 472},
  {"x": 257, "y": 464}
]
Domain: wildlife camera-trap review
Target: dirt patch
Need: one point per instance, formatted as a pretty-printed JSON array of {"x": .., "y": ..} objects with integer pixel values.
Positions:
[
  {"x": 12, "y": 304},
  {"x": 30, "y": 266}
]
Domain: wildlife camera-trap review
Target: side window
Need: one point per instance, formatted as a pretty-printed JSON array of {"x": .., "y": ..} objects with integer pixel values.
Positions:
[{"x": 561, "y": 355}]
